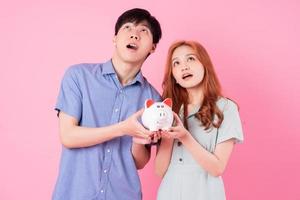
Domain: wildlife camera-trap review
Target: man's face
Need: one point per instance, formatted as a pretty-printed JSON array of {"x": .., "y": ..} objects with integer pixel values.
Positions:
[{"x": 134, "y": 42}]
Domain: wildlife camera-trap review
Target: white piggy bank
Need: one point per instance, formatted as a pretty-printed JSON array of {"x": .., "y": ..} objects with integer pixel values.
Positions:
[{"x": 158, "y": 115}]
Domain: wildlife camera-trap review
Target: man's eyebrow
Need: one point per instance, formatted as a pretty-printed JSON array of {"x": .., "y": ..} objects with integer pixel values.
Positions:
[
  {"x": 127, "y": 23},
  {"x": 144, "y": 24}
]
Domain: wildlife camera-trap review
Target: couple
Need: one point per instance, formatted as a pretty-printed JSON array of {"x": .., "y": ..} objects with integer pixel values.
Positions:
[{"x": 99, "y": 106}]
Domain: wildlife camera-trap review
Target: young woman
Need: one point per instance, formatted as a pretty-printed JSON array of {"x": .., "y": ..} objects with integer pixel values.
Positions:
[{"x": 193, "y": 154}]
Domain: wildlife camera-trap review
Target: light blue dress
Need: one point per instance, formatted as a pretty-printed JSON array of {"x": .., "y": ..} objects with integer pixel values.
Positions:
[{"x": 185, "y": 179}]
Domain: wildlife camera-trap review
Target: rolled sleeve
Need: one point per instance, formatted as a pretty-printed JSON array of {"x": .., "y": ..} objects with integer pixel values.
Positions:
[{"x": 69, "y": 99}]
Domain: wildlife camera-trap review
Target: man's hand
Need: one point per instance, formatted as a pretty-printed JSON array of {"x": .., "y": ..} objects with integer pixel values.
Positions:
[
  {"x": 154, "y": 138},
  {"x": 132, "y": 127}
]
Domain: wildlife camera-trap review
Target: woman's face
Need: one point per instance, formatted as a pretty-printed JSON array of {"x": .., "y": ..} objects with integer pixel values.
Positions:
[{"x": 187, "y": 70}]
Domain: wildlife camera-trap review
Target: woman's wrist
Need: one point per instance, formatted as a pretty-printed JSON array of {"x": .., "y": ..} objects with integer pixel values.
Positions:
[{"x": 185, "y": 138}]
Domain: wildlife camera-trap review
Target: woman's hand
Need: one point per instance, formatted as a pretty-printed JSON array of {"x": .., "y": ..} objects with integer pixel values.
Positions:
[{"x": 178, "y": 131}]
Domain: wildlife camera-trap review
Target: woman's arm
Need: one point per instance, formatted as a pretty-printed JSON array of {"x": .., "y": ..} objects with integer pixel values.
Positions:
[{"x": 214, "y": 163}]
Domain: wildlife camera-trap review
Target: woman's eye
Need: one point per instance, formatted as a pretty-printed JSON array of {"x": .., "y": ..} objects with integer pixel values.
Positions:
[
  {"x": 191, "y": 58},
  {"x": 175, "y": 63}
]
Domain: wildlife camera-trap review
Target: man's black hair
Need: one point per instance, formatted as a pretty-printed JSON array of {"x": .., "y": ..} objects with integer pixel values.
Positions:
[{"x": 136, "y": 16}]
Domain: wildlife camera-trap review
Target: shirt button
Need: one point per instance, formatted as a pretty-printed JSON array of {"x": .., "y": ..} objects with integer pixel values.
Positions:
[
  {"x": 108, "y": 150},
  {"x": 179, "y": 143},
  {"x": 180, "y": 159},
  {"x": 116, "y": 110},
  {"x": 105, "y": 171},
  {"x": 101, "y": 191}
]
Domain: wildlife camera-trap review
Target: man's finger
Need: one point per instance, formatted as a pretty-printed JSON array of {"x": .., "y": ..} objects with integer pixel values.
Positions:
[
  {"x": 141, "y": 140},
  {"x": 139, "y": 113},
  {"x": 143, "y": 134}
]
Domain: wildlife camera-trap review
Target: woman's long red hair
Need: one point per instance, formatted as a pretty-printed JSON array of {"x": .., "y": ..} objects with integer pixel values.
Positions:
[{"x": 210, "y": 84}]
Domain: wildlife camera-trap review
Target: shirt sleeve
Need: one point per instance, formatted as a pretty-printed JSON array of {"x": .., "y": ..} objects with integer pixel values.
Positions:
[
  {"x": 156, "y": 96},
  {"x": 69, "y": 99},
  {"x": 231, "y": 127}
]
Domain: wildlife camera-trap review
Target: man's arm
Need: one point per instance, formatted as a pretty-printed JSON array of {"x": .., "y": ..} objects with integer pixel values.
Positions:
[
  {"x": 74, "y": 136},
  {"x": 163, "y": 156},
  {"x": 141, "y": 154}
]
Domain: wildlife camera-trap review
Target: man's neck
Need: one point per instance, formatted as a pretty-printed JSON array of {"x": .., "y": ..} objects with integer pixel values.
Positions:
[{"x": 126, "y": 72}]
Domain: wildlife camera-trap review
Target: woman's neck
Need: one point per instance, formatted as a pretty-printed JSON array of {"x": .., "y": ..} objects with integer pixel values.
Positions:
[{"x": 195, "y": 96}]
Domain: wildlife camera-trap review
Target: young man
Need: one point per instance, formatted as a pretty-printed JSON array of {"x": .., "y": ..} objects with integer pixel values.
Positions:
[{"x": 99, "y": 107}]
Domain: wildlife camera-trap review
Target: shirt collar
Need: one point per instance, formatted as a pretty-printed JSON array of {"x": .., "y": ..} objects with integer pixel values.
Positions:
[
  {"x": 139, "y": 78},
  {"x": 194, "y": 111},
  {"x": 109, "y": 69}
]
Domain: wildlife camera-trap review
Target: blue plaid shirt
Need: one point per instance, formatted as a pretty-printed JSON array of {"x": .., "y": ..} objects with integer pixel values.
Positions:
[{"x": 93, "y": 95}]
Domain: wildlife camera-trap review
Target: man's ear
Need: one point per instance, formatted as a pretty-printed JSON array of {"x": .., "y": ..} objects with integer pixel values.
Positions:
[
  {"x": 153, "y": 48},
  {"x": 114, "y": 40}
]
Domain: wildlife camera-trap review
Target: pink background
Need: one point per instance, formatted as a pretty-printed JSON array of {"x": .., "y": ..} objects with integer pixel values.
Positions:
[{"x": 255, "y": 48}]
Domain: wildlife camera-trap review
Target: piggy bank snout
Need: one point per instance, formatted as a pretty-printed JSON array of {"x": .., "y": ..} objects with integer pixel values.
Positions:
[
  {"x": 157, "y": 115},
  {"x": 163, "y": 114}
]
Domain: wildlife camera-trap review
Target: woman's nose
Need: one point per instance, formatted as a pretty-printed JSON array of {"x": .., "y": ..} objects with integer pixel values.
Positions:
[{"x": 185, "y": 67}]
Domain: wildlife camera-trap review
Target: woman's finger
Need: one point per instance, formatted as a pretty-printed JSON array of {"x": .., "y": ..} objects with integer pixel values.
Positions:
[{"x": 177, "y": 119}]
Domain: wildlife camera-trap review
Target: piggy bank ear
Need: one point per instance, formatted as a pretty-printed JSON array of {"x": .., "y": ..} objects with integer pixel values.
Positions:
[
  {"x": 168, "y": 101},
  {"x": 148, "y": 103}
]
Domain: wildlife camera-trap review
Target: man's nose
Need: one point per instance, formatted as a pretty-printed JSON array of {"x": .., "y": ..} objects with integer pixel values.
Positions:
[{"x": 134, "y": 36}]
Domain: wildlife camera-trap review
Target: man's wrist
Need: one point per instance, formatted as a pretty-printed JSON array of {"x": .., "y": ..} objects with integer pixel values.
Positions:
[{"x": 119, "y": 129}]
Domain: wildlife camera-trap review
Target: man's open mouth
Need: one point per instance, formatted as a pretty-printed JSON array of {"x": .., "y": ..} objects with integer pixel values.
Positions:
[{"x": 132, "y": 46}]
